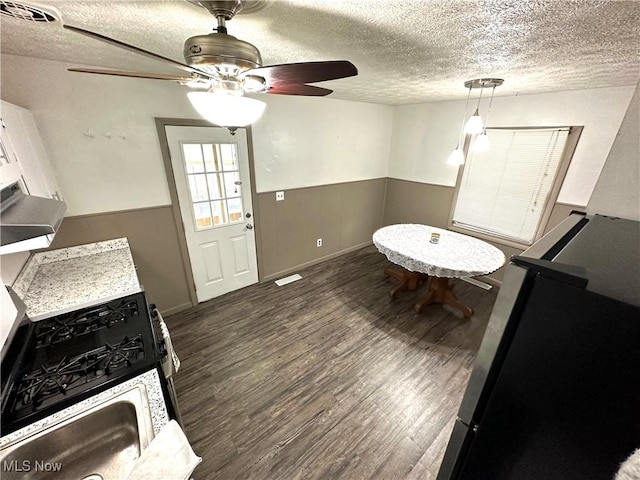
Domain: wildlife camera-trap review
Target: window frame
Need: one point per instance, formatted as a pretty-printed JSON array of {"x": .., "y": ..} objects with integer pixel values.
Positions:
[
  {"x": 223, "y": 199},
  {"x": 565, "y": 161}
]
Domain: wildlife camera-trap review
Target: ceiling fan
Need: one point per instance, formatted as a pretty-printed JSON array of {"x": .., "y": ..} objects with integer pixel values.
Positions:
[{"x": 229, "y": 67}]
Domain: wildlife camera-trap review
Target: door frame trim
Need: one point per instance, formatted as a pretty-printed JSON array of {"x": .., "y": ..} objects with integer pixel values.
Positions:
[{"x": 161, "y": 123}]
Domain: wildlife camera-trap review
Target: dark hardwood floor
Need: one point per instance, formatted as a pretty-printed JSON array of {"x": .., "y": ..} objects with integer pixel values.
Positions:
[{"x": 325, "y": 377}]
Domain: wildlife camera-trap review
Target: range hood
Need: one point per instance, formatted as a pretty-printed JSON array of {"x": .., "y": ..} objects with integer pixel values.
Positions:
[{"x": 27, "y": 222}]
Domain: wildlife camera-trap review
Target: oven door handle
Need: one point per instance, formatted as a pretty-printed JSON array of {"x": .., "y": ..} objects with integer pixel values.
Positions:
[{"x": 170, "y": 362}]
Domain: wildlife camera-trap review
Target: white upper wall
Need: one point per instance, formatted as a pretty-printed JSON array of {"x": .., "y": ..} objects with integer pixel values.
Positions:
[
  {"x": 617, "y": 192},
  {"x": 298, "y": 142},
  {"x": 304, "y": 141},
  {"x": 425, "y": 134}
]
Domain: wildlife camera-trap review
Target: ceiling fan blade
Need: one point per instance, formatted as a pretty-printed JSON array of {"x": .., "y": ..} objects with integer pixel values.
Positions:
[
  {"x": 305, "y": 72},
  {"x": 140, "y": 51},
  {"x": 299, "y": 89},
  {"x": 124, "y": 73}
]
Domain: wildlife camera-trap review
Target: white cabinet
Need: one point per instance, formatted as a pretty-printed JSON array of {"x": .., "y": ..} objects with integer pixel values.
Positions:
[
  {"x": 26, "y": 156},
  {"x": 10, "y": 170}
]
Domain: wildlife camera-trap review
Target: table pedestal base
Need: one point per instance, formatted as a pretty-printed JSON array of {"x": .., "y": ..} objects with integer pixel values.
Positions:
[
  {"x": 408, "y": 280},
  {"x": 441, "y": 291}
]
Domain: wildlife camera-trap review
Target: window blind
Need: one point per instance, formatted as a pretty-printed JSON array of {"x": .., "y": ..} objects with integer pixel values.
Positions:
[{"x": 503, "y": 192}]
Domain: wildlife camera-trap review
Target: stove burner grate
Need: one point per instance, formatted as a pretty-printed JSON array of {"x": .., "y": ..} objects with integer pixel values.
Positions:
[
  {"x": 74, "y": 324},
  {"x": 49, "y": 381}
]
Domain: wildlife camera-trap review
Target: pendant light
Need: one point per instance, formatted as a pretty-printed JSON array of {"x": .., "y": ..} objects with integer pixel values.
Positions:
[
  {"x": 482, "y": 143},
  {"x": 457, "y": 156},
  {"x": 474, "y": 125}
]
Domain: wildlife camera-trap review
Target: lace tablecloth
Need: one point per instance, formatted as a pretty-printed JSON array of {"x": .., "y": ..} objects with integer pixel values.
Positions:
[{"x": 455, "y": 255}]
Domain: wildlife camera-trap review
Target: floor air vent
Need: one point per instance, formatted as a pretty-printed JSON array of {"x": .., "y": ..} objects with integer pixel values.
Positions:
[
  {"x": 289, "y": 279},
  {"x": 25, "y": 12}
]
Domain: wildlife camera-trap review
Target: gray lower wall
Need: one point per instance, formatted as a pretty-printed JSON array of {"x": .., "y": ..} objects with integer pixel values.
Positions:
[
  {"x": 154, "y": 245},
  {"x": 413, "y": 202},
  {"x": 344, "y": 215}
]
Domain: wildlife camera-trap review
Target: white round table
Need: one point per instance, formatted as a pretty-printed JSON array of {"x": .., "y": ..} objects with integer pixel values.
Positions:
[{"x": 454, "y": 256}]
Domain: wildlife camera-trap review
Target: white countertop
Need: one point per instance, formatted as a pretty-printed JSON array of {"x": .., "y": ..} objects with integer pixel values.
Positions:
[{"x": 60, "y": 281}]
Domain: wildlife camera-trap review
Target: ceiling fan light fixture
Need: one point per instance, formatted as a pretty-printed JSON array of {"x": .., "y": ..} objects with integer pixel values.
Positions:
[
  {"x": 198, "y": 82},
  {"x": 226, "y": 110},
  {"x": 254, "y": 84},
  {"x": 230, "y": 65},
  {"x": 216, "y": 51}
]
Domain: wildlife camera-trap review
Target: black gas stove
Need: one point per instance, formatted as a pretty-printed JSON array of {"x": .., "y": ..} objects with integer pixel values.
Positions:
[{"x": 63, "y": 359}]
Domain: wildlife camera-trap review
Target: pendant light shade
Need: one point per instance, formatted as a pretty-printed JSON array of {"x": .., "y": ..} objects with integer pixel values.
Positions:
[
  {"x": 474, "y": 124},
  {"x": 456, "y": 157},
  {"x": 226, "y": 110},
  {"x": 482, "y": 143}
]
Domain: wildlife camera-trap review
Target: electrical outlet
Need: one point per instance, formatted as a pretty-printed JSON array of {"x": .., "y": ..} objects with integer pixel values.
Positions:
[
  {"x": 279, "y": 196},
  {"x": 319, "y": 242}
]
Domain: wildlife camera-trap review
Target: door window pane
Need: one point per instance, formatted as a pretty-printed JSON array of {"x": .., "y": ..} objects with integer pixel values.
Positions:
[
  {"x": 211, "y": 160},
  {"x": 215, "y": 186},
  {"x": 213, "y": 178},
  {"x": 198, "y": 188},
  {"x": 193, "y": 157},
  {"x": 202, "y": 215},
  {"x": 229, "y": 155},
  {"x": 231, "y": 188},
  {"x": 235, "y": 209},
  {"x": 219, "y": 212}
]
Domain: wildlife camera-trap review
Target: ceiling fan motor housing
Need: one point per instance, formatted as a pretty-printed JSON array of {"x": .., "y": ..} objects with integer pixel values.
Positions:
[{"x": 217, "y": 49}]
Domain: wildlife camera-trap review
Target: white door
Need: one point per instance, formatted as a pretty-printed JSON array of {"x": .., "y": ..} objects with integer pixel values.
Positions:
[{"x": 211, "y": 170}]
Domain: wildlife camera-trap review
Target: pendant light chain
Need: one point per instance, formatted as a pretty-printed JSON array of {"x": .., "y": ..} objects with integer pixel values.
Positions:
[
  {"x": 479, "y": 98},
  {"x": 464, "y": 117},
  {"x": 484, "y": 130}
]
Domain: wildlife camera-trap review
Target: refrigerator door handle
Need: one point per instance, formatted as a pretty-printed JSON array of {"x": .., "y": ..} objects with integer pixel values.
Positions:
[
  {"x": 562, "y": 272},
  {"x": 473, "y": 426}
]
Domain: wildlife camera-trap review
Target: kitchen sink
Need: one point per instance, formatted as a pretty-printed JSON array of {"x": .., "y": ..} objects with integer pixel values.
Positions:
[{"x": 101, "y": 443}]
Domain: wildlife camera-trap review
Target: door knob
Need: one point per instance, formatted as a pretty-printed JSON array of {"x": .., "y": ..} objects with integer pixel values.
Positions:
[
  {"x": 248, "y": 215},
  {"x": 249, "y": 226}
]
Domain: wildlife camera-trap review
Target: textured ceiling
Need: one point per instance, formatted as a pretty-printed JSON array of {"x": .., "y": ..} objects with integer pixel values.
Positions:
[{"x": 406, "y": 52}]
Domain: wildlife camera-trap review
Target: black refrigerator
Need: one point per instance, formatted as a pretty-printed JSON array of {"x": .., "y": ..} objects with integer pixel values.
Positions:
[{"x": 555, "y": 389}]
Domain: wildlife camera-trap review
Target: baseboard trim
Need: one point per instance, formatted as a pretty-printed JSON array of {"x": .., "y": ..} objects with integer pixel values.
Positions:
[
  {"x": 177, "y": 309},
  {"x": 315, "y": 261},
  {"x": 491, "y": 281}
]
